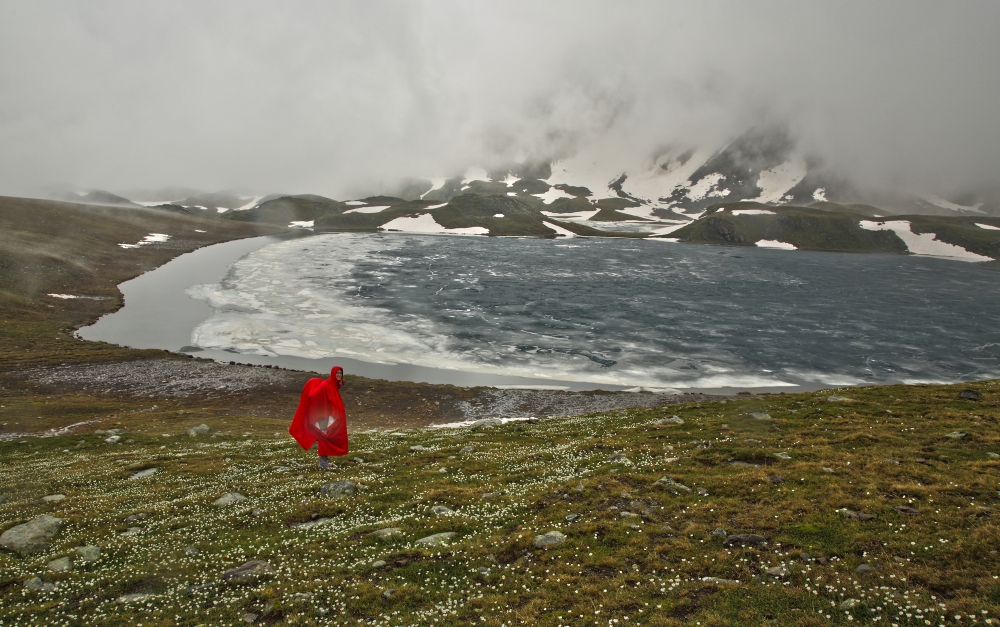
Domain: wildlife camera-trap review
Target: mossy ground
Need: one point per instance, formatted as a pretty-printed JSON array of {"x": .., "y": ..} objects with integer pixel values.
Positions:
[{"x": 509, "y": 483}]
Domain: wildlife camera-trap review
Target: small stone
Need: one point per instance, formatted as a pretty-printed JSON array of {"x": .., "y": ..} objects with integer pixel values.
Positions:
[
  {"x": 673, "y": 420},
  {"x": 248, "y": 573},
  {"x": 487, "y": 422},
  {"x": 627, "y": 515},
  {"x": 466, "y": 449},
  {"x": 744, "y": 539},
  {"x": 132, "y": 531},
  {"x": 837, "y": 398},
  {"x": 549, "y": 539},
  {"x": 249, "y": 617},
  {"x": 579, "y": 487},
  {"x": 61, "y": 565},
  {"x": 229, "y": 498},
  {"x": 672, "y": 486},
  {"x": 35, "y": 584},
  {"x": 441, "y": 510},
  {"x": 782, "y": 455},
  {"x": 132, "y": 598},
  {"x": 719, "y": 531},
  {"x": 863, "y": 569},
  {"x": 702, "y": 491},
  {"x": 776, "y": 479},
  {"x": 53, "y": 498},
  {"x": 338, "y": 489},
  {"x": 993, "y": 455},
  {"x": 921, "y": 460},
  {"x": 852, "y": 515},
  {"x": 387, "y": 533},
  {"x": 378, "y": 564},
  {"x": 113, "y": 439},
  {"x": 442, "y": 470},
  {"x": 32, "y": 536},
  {"x": 744, "y": 465},
  {"x": 619, "y": 458},
  {"x": 201, "y": 429},
  {"x": 907, "y": 510},
  {"x": 572, "y": 517},
  {"x": 827, "y": 469},
  {"x": 778, "y": 571},
  {"x": 956, "y": 435},
  {"x": 419, "y": 447},
  {"x": 191, "y": 550},
  {"x": 719, "y": 581},
  {"x": 88, "y": 554},
  {"x": 760, "y": 415},
  {"x": 894, "y": 462},
  {"x": 849, "y": 604},
  {"x": 482, "y": 570},
  {"x": 969, "y": 395},
  {"x": 257, "y": 513},
  {"x": 141, "y": 474},
  {"x": 437, "y": 539},
  {"x": 388, "y": 593}
]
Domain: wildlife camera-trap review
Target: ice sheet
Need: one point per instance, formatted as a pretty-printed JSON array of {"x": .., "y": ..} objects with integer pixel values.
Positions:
[{"x": 773, "y": 243}]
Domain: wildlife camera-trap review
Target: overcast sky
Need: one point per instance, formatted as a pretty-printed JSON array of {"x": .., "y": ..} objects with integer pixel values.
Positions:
[{"x": 333, "y": 98}]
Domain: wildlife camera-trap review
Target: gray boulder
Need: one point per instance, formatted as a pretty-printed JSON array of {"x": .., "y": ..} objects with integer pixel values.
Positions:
[
  {"x": 142, "y": 474},
  {"x": 437, "y": 539},
  {"x": 744, "y": 539},
  {"x": 673, "y": 420},
  {"x": 441, "y": 510},
  {"x": 383, "y": 534},
  {"x": 549, "y": 539},
  {"x": 760, "y": 415},
  {"x": 338, "y": 489},
  {"x": 672, "y": 486},
  {"x": 60, "y": 565},
  {"x": 487, "y": 422},
  {"x": 201, "y": 429},
  {"x": 35, "y": 584},
  {"x": 619, "y": 458},
  {"x": 88, "y": 554},
  {"x": 32, "y": 536},
  {"x": 778, "y": 571},
  {"x": 229, "y": 498},
  {"x": 837, "y": 398},
  {"x": 53, "y": 498},
  {"x": 251, "y": 572}
]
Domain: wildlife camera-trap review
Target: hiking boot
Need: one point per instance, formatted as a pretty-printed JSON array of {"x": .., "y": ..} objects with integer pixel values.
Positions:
[{"x": 324, "y": 462}]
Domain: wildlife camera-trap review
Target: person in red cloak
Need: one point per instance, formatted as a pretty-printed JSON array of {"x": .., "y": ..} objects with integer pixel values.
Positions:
[{"x": 321, "y": 417}]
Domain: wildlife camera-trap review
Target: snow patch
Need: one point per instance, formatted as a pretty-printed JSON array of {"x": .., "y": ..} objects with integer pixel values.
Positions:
[
  {"x": 668, "y": 229},
  {"x": 988, "y": 227},
  {"x": 301, "y": 224},
  {"x": 476, "y": 174},
  {"x": 250, "y": 205},
  {"x": 752, "y": 212},
  {"x": 368, "y": 209},
  {"x": 705, "y": 188},
  {"x": 510, "y": 180},
  {"x": 774, "y": 183},
  {"x": 497, "y": 215},
  {"x": 560, "y": 231},
  {"x": 436, "y": 183},
  {"x": 579, "y": 215},
  {"x": 435, "y": 206},
  {"x": 820, "y": 194},
  {"x": 425, "y": 223},
  {"x": 552, "y": 195},
  {"x": 152, "y": 238},
  {"x": 355, "y": 203},
  {"x": 773, "y": 243},
  {"x": 512, "y": 193},
  {"x": 925, "y": 244},
  {"x": 937, "y": 201}
]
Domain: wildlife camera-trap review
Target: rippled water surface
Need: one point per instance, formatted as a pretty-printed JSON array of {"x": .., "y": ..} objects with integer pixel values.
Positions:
[{"x": 611, "y": 311}]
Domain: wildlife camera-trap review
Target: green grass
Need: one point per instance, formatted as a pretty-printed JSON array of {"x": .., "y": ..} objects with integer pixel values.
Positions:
[{"x": 650, "y": 568}]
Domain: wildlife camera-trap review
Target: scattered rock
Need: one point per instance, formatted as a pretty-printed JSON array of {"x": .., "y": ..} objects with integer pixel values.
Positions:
[
  {"x": 837, "y": 398},
  {"x": 250, "y": 572},
  {"x": 894, "y": 462},
  {"x": 776, "y": 479},
  {"x": 441, "y": 510},
  {"x": 719, "y": 581},
  {"x": 745, "y": 539},
  {"x": 673, "y": 420},
  {"x": 437, "y": 539},
  {"x": 482, "y": 570},
  {"x": 909, "y": 511},
  {"x": 956, "y": 435},
  {"x": 32, "y": 536},
  {"x": 672, "y": 486},
  {"x": 419, "y": 447},
  {"x": 229, "y": 498},
  {"x": 744, "y": 465},
  {"x": 719, "y": 531},
  {"x": 549, "y": 539},
  {"x": 863, "y": 569},
  {"x": 387, "y": 533},
  {"x": 827, "y": 469},
  {"x": 141, "y": 474},
  {"x": 312, "y": 524},
  {"x": 201, "y": 429},
  {"x": 782, "y": 455},
  {"x": 778, "y": 571},
  {"x": 849, "y": 604},
  {"x": 53, "y": 498},
  {"x": 970, "y": 395},
  {"x": 982, "y": 512},
  {"x": 61, "y": 565},
  {"x": 466, "y": 449},
  {"x": 132, "y": 531},
  {"x": 249, "y": 617},
  {"x": 113, "y": 439},
  {"x": 990, "y": 455},
  {"x": 759, "y": 415},
  {"x": 388, "y": 593},
  {"x": 88, "y": 554},
  {"x": 257, "y": 513},
  {"x": 35, "y": 584},
  {"x": 619, "y": 458},
  {"x": 191, "y": 550},
  {"x": 627, "y": 515},
  {"x": 132, "y": 598},
  {"x": 702, "y": 491},
  {"x": 487, "y": 422},
  {"x": 378, "y": 564},
  {"x": 338, "y": 489},
  {"x": 852, "y": 515},
  {"x": 572, "y": 517}
]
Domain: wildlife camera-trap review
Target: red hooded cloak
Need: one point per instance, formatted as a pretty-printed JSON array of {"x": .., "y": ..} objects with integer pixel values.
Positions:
[{"x": 321, "y": 416}]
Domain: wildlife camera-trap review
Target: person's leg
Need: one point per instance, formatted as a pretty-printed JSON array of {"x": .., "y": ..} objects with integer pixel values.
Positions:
[
  {"x": 324, "y": 455},
  {"x": 324, "y": 462}
]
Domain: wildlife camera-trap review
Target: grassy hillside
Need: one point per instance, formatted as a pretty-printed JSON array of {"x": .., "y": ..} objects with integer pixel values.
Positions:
[
  {"x": 808, "y": 228},
  {"x": 875, "y": 506}
]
